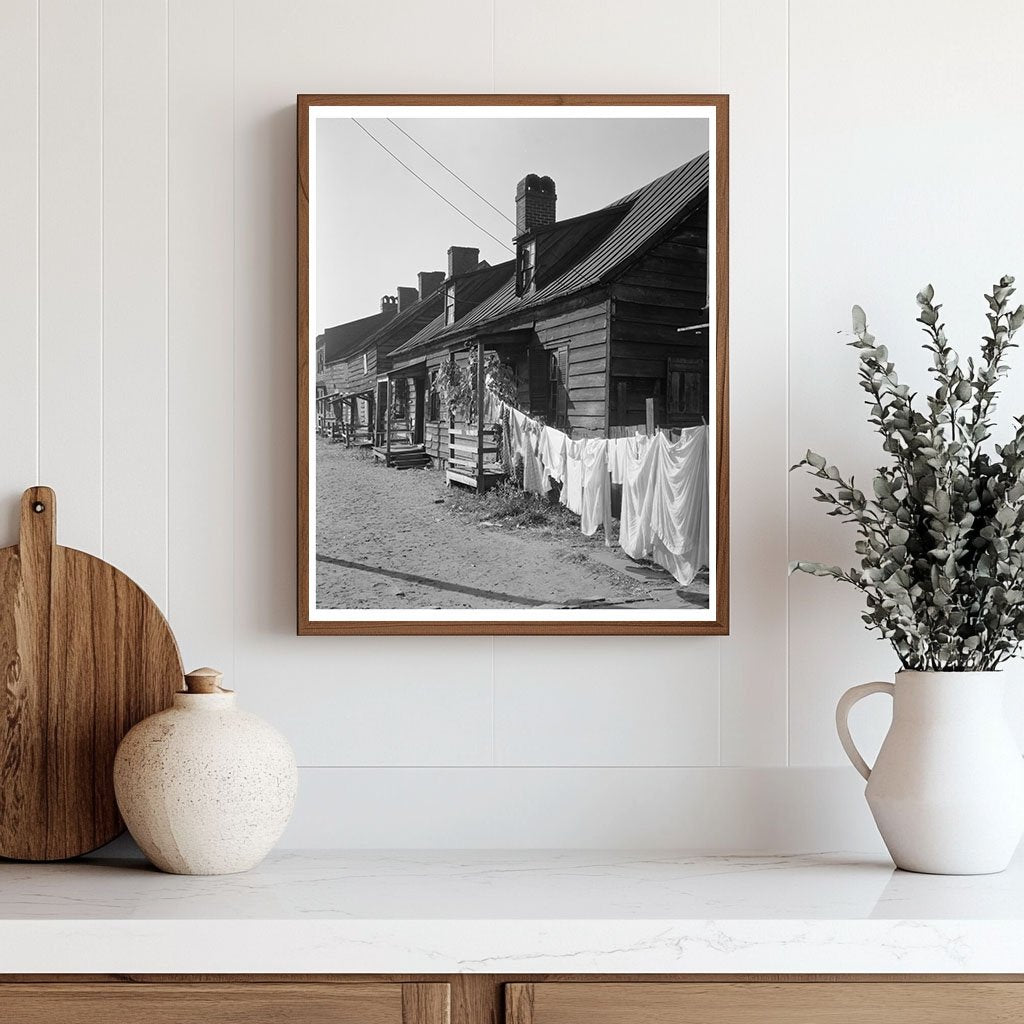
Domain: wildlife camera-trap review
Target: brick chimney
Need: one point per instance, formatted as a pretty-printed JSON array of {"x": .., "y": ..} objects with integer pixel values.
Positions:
[
  {"x": 462, "y": 259},
  {"x": 429, "y": 281},
  {"x": 389, "y": 304},
  {"x": 535, "y": 203},
  {"x": 406, "y": 298}
]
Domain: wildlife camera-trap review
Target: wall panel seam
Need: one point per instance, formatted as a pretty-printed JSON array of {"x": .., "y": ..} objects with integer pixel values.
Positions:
[
  {"x": 718, "y": 724},
  {"x": 234, "y": 333},
  {"x": 789, "y": 553},
  {"x": 103, "y": 282},
  {"x": 167, "y": 309},
  {"x": 38, "y": 370}
]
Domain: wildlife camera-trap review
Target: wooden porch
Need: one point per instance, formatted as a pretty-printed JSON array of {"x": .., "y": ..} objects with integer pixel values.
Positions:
[
  {"x": 402, "y": 456},
  {"x": 474, "y": 457}
]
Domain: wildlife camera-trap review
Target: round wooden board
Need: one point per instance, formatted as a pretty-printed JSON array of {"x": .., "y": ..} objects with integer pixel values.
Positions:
[{"x": 84, "y": 655}]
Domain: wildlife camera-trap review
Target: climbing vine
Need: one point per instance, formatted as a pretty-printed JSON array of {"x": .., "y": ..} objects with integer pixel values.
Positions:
[{"x": 455, "y": 384}]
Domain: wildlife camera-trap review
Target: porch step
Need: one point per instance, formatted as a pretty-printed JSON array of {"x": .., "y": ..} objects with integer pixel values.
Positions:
[
  {"x": 411, "y": 456},
  {"x": 460, "y": 473}
]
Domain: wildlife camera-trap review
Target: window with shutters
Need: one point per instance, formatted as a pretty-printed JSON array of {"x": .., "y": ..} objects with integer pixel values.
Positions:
[
  {"x": 525, "y": 267},
  {"x": 687, "y": 390},
  {"x": 558, "y": 381},
  {"x": 433, "y": 399}
]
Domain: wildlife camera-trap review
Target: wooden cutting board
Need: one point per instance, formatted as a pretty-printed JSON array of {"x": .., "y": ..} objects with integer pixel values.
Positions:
[{"x": 84, "y": 655}]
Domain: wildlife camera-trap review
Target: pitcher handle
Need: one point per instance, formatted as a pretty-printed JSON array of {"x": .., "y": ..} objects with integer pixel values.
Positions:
[{"x": 846, "y": 702}]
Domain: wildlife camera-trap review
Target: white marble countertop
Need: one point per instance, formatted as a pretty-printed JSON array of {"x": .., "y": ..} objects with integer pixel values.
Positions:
[{"x": 489, "y": 912}]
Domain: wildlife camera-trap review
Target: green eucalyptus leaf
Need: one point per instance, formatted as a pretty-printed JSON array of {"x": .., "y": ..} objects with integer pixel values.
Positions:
[{"x": 941, "y": 537}]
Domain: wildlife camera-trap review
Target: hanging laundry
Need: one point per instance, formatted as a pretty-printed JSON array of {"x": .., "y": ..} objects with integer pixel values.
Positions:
[
  {"x": 492, "y": 406},
  {"x": 518, "y": 429},
  {"x": 508, "y": 456},
  {"x": 533, "y": 468},
  {"x": 597, "y": 500},
  {"x": 621, "y": 451},
  {"x": 572, "y": 483},
  {"x": 665, "y": 504},
  {"x": 551, "y": 449}
]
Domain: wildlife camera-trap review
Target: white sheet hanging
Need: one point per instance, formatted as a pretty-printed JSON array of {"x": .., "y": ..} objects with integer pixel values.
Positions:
[
  {"x": 597, "y": 495},
  {"x": 572, "y": 485},
  {"x": 517, "y": 421},
  {"x": 621, "y": 451},
  {"x": 551, "y": 449},
  {"x": 665, "y": 504}
]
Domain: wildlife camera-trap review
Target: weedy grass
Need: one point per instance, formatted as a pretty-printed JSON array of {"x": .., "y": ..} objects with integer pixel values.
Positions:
[{"x": 508, "y": 506}]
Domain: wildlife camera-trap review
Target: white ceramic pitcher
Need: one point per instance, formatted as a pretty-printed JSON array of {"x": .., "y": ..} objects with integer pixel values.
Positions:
[{"x": 947, "y": 789}]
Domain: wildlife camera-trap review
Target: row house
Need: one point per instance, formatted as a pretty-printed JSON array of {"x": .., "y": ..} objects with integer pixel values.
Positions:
[{"x": 599, "y": 318}]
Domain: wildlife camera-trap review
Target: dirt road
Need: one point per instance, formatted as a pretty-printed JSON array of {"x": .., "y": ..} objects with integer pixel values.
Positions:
[{"x": 385, "y": 539}]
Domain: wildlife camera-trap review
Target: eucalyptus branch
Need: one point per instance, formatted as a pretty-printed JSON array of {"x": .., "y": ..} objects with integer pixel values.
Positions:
[{"x": 941, "y": 538}]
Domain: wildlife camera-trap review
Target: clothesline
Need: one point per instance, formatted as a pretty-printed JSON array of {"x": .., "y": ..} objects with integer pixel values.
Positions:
[{"x": 664, "y": 483}]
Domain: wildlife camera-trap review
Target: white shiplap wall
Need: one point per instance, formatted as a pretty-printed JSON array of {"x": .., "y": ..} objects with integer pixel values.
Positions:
[{"x": 147, "y": 291}]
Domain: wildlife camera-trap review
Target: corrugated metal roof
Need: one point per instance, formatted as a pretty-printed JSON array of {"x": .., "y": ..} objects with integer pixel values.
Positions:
[
  {"x": 471, "y": 288},
  {"x": 650, "y": 208},
  {"x": 424, "y": 335},
  {"x": 341, "y": 341},
  {"x": 399, "y": 327}
]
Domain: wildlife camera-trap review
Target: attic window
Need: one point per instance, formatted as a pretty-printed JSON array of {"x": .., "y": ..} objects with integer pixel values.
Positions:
[
  {"x": 449, "y": 304},
  {"x": 366, "y": 368},
  {"x": 525, "y": 267}
]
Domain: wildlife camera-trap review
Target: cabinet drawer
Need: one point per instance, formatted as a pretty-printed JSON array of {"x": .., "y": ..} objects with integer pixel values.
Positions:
[
  {"x": 765, "y": 1003},
  {"x": 235, "y": 1003}
]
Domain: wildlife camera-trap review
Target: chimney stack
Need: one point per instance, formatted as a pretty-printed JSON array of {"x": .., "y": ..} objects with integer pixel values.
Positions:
[
  {"x": 429, "y": 281},
  {"x": 535, "y": 203},
  {"x": 462, "y": 259},
  {"x": 389, "y": 304},
  {"x": 406, "y": 298}
]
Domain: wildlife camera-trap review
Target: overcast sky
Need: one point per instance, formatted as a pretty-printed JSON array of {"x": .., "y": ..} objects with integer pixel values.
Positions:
[{"x": 377, "y": 226}]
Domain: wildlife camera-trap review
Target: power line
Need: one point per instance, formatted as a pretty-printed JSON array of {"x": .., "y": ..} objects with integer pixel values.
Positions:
[
  {"x": 451, "y": 172},
  {"x": 431, "y": 187}
]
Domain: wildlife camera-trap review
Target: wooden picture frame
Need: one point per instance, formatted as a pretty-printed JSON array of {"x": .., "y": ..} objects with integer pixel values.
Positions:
[{"x": 383, "y": 401}]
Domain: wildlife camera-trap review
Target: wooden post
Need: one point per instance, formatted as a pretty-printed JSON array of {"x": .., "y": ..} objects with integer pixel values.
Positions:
[
  {"x": 387, "y": 421},
  {"x": 371, "y": 417},
  {"x": 351, "y": 416},
  {"x": 451, "y": 415},
  {"x": 650, "y": 417},
  {"x": 481, "y": 379}
]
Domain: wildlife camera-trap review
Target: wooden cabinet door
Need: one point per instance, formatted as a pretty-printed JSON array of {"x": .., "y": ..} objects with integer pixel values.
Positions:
[
  {"x": 862, "y": 1002},
  {"x": 229, "y": 1003}
]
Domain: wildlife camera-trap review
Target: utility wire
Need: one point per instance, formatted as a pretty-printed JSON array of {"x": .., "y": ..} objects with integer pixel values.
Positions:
[
  {"x": 451, "y": 172},
  {"x": 431, "y": 187}
]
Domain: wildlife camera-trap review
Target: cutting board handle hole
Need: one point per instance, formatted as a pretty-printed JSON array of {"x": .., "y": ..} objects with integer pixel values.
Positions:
[{"x": 38, "y": 506}]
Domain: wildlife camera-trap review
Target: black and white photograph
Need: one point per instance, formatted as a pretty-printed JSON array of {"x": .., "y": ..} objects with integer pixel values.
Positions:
[{"x": 511, "y": 413}]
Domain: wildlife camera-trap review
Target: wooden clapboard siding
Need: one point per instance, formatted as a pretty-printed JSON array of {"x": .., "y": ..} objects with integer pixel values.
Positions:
[
  {"x": 649, "y": 364},
  {"x": 643, "y": 313},
  {"x": 662, "y": 291},
  {"x": 332, "y": 377},
  {"x": 435, "y": 440},
  {"x": 583, "y": 332},
  {"x": 666, "y": 298},
  {"x": 356, "y": 379}
]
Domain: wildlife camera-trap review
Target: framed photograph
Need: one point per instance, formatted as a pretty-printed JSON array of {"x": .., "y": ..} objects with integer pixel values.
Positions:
[{"x": 512, "y": 364}]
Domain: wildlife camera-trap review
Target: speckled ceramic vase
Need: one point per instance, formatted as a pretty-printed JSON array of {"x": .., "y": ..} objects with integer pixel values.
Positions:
[{"x": 205, "y": 789}]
